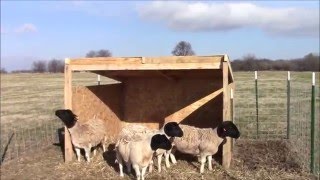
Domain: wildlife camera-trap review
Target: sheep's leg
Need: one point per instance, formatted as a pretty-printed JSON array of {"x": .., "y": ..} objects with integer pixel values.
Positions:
[
  {"x": 143, "y": 172},
  {"x": 166, "y": 156},
  {"x": 94, "y": 151},
  {"x": 151, "y": 166},
  {"x": 173, "y": 159},
  {"x": 136, "y": 169},
  {"x": 119, "y": 159},
  {"x": 203, "y": 161},
  {"x": 159, "y": 158},
  {"x": 78, "y": 153},
  {"x": 103, "y": 144},
  {"x": 87, "y": 151},
  {"x": 128, "y": 164},
  {"x": 209, "y": 162},
  {"x": 103, "y": 147}
]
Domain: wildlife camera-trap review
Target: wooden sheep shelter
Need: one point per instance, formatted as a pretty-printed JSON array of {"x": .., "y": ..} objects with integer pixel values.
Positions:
[{"x": 193, "y": 90}]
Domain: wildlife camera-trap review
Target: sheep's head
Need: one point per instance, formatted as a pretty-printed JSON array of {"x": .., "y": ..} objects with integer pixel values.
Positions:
[
  {"x": 172, "y": 129},
  {"x": 67, "y": 117},
  {"x": 160, "y": 141},
  {"x": 228, "y": 129}
]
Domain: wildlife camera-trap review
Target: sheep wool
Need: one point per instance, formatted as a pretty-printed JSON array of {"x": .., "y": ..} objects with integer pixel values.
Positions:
[
  {"x": 201, "y": 142},
  {"x": 139, "y": 153},
  {"x": 135, "y": 132},
  {"x": 84, "y": 135}
]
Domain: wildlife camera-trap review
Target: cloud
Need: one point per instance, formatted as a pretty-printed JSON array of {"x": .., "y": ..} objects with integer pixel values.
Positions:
[
  {"x": 26, "y": 28},
  {"x": 109, "y": 9},
  {"x": 215, "y": 16}
]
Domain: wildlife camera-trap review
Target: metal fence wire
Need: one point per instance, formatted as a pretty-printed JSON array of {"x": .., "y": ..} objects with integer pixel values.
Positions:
[
  {"x": 270, "y": 107},
  {"x": 28, "y": 123}
]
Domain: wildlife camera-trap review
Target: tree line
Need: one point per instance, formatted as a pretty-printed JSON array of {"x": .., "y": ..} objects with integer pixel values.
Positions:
[
  {"x": 250, "y": 62},
  {"x": 310, "y": 62}
]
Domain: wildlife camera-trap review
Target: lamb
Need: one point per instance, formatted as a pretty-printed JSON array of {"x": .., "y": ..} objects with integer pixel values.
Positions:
[
  {"x": 84, "y": 135},
  {"x": 170, "y": 129},
  {"x": 204, "y": 142},
  {"x": 139, "y": 152}
]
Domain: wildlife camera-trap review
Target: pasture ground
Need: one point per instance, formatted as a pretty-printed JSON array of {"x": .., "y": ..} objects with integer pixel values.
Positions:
[{"x": 253, "y": 159}]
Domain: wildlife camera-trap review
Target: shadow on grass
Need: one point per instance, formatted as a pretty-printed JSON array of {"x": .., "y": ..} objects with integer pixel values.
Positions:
[
  {"x": 60, "y": 133},
  {"x": 6, "y": 149},
  {"x": 110, "y": 157},
  {"x": 187, "y": 157}
]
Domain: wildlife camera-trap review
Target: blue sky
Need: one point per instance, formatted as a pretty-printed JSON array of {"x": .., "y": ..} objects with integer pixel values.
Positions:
[{"x": 42, "y": 30}]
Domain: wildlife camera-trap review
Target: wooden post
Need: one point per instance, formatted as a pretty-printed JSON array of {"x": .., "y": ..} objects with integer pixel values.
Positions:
[
  {"x": 226, "y": 152},
  {"x": 231, "y": 113},
  {"x": 68, "y": 152},
  {"x": 98, "y": 79}
]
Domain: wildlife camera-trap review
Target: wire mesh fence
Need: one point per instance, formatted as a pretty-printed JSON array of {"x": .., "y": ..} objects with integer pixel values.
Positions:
[
  {"x": 16, "y": 141},
  {"x": 270, "y": 108},
  {"x": 28, "y": 104}
]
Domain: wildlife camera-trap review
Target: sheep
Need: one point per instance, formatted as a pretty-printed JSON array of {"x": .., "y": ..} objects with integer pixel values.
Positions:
[
  {"x": 204, "y": 142},
  {"x": 84, "y": 135},
  {"x": 139, "y": 152},
  {"x": 170, "y": 129}
]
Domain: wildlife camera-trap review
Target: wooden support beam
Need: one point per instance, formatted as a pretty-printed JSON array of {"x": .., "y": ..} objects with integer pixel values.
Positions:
[
  {"x": 163, "y": 66},
  {"x": 226, "y": 59},
  {"x": 186, "y": 111},
  {"x": 68, "y": 151},
  {"x": 226, "y": 152}
]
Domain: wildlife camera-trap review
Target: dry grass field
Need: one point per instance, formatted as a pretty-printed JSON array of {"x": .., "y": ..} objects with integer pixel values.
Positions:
[
  {"x": 28, "y": 102},
  {"x": 252, "y": 160}
]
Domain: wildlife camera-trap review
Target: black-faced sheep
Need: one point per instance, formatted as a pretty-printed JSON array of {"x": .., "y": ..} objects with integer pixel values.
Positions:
[
  {"x": 84, "y": 135},
  {"x": 170, "y": 129},
  {"x": 204, "y": 142},
  {"x": 139, "y": 153}
]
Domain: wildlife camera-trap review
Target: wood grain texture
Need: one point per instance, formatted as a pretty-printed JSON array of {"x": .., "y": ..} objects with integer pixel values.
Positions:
[{"x": 68, "y": 151}]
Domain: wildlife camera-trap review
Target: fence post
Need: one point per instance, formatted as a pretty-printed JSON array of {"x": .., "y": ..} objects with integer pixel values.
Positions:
[
  {"x": 232, "y": 113},
  {"x": 98, "y": 79},
  {"x": 312, "y": 123},
  {"x": 288, "y": 106},
  {"x": 257, "y": 107}
]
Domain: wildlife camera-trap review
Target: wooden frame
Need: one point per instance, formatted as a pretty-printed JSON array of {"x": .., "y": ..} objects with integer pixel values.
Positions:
[
  {"x": 68, "y": 151},
  {"x": 115, "y": 66}
]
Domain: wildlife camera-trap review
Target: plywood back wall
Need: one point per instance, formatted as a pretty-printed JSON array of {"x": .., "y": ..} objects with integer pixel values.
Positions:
[{"x": 153, "y": 101}]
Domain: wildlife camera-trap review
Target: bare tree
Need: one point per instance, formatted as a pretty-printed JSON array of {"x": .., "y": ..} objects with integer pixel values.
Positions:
[
  {"x": 104, "y": 53},
  {"x": 55, "y": 66},
  {"x": 39, "y": 66},
  {"x": 91, "y": 54},
  {"x": 249, "y": 57},
  {"x": 183, "y": 48},
  {"x": 100, "y": 53},
  {"x": 3, "y": 71}
]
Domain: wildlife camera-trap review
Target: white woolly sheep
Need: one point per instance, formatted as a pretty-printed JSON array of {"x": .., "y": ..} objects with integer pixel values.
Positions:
[
  {"x": 171, "y": 130},
  {"x": 138, "y": 153},
  {"x": 204, "y": 142},
  {"x": 84, "y": 135}
]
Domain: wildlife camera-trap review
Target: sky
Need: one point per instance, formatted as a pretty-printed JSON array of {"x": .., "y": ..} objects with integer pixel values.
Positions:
[{"x": 43, "y": 30}]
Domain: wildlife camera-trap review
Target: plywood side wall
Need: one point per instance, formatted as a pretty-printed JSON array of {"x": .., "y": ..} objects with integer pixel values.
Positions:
[{"x": 102, "y": 101}]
